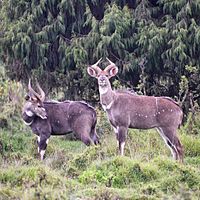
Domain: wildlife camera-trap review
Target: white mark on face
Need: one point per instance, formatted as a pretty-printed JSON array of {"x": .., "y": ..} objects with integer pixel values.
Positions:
[
  {"x": 43, "y": 117},
  {"x": 171, "y": 110},
  {"x": 163, "y": 110},
  {"x": 29, "y": 113},
  {"x": 102, "y": 90},
  {"x": 146, "y": 116},
  {"x": 158, "y": 113}
]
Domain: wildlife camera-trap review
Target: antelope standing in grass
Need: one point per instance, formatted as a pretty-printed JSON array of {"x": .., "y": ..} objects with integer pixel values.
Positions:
[
  {"x": 48, "y": 118},
  {"x": 126, "y": 110}
]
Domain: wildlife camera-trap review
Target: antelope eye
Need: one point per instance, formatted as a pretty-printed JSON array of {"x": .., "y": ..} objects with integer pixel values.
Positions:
[
  {"x": 39, "y": 106},
  {"x": 27, "y": 97}
]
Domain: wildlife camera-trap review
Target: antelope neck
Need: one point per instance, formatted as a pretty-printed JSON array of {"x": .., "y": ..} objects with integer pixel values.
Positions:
[
  {"x": 28, "y": 120},
  {"x": 107, "y": 98}
]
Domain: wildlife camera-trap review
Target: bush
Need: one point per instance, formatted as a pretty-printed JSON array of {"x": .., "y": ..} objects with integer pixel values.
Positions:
[
  {"x": 13, "y": 143},
  {"x": 119, "y": 172}
]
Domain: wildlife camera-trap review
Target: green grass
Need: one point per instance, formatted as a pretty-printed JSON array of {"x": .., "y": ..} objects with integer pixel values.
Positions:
[{"x": 72, "y": 170}]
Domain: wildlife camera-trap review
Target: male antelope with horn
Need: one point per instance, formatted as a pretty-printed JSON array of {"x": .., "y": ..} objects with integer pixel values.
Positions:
[
  {"x": 48, "y": 118},
  {"x": 126, "y": 110}
]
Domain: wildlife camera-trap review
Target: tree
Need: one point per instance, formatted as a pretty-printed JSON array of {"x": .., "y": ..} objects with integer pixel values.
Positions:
[{"x": 56, "y": 40}]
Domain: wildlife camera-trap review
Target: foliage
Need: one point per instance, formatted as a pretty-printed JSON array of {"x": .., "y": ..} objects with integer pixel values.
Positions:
[
  {"x": 11, "y": 100},
  {"x": 55, "y": 41}
]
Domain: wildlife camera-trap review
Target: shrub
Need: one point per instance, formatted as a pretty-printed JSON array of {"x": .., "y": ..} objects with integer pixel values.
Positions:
[{"x": 119, "y": 172}]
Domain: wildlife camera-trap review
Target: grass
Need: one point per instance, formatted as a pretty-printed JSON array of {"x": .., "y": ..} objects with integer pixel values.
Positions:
[{"x": 72, "y": 170}]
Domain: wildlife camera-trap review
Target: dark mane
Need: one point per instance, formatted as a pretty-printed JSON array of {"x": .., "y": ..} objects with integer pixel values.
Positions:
[
  {"x": 68, "y": 101},
  {"x": 87, "y": 105},
  {"x": 51, "y": 102},
  {"x": 55, "y": 102}
]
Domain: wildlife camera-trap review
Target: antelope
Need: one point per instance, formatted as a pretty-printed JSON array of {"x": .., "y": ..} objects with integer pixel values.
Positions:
[
  {"x": 126, "y": 110},
  {"x": 48, "y": 118}
]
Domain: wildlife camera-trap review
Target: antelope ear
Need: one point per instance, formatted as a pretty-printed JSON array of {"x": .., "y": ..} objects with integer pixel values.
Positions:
[
  {"x": 92, "y": 72},
  {"x": 112, "y": 71}
]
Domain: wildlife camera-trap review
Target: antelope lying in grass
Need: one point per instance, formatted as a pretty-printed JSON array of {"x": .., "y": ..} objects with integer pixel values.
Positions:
[
  {"x": 48, "y": 118},
  {"x": 126, "y": 110}
]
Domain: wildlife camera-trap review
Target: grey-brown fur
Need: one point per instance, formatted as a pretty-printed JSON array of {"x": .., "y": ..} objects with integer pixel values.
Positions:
[
  {"x": 59, "y": 118},
  {"x": 127, "y": 91},
  {"x": 126, "y": 110}
]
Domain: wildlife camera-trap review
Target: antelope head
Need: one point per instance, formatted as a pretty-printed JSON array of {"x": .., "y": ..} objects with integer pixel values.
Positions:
[
  {"x": 34, "y": 104},
  {"x": 103, "y": 76}
]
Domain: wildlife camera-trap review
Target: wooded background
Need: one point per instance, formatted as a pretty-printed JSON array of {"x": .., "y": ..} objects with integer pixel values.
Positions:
[{"x": 155, "y": 44}]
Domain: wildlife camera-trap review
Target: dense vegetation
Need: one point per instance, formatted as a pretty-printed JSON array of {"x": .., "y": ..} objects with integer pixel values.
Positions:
[{"x": 155, "y": 43}]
